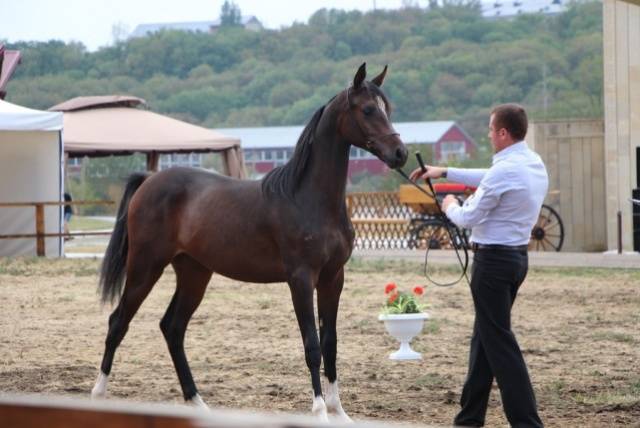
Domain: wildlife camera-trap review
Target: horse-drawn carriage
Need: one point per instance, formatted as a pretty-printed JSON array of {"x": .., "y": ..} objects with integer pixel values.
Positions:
[{"x": 428, "y": 228}]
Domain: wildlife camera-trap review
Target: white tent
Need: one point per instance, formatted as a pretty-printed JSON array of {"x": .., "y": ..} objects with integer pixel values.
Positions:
[{"x": 31, "y": 162}]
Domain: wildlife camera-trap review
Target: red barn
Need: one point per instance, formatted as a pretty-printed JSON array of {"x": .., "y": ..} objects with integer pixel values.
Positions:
[{"x": 269, "y": 147}]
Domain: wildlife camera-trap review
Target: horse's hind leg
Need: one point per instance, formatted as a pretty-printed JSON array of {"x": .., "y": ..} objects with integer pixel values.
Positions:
[
  {"x": 328, "y": 300},
  {"x": 141, "y": 277},
  {"x": 192, "y": 280}
]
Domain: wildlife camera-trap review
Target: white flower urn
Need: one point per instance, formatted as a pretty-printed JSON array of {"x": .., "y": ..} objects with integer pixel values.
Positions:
[{"x": 404, "y": 327}]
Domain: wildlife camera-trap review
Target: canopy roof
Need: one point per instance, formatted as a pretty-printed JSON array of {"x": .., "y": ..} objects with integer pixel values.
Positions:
[
  {"x": 97, "y": 126},
  {"x": 18, "y": 118},
  {"x": 99, "y": 101}
]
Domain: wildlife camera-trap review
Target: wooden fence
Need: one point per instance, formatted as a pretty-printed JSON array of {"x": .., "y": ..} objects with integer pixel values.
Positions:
[
  {"x": 573, "y": 151},
  {"x": 379, "y": 219},
  {"x": 40, "y": 234}
]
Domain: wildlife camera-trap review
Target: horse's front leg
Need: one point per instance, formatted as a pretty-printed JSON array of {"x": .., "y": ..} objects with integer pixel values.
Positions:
[
  {"x": 328, "y": 300},
  {"x": 302, "y": 283}
]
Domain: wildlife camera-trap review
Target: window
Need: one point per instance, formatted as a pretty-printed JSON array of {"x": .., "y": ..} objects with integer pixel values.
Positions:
[
  {"x": 452, "y": 150},
  {"x": 358, "y": 153},
  {"x": 74, "y": 161},
  {"x": 193, "y": 160}
]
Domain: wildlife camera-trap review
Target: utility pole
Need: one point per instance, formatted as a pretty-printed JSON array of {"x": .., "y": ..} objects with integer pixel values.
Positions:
[{"x": 545, "y": 98}]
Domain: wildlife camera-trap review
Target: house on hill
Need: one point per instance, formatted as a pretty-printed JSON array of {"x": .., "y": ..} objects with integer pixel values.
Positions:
[
  {"x": 248, "y": 23},
  {"x": 497, "y": 9},
  {"x": 270, "y": 147}
]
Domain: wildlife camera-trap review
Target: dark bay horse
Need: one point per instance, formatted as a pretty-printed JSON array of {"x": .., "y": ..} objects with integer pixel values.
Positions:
[{"x": 291, "y": 226}]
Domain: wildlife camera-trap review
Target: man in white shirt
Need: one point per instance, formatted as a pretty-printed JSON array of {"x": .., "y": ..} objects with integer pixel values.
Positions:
[{"x": 500, "y": 214}]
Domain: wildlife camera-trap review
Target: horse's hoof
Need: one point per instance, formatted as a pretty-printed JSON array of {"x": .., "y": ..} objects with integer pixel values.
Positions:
[
  {"x": 197, "y": 402},
  {"x": 99, "y": 390},
  {"x": 97, "y": 394},
  {"x": 343, "y": 418},
  {"x": 319, "y": 409},
  {"x": 323, "y": 417}
]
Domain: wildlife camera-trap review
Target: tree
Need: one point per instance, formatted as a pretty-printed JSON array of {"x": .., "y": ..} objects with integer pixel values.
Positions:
[
  {"x": 230, "y": 15},
  {"x": 447, "y": 62}
]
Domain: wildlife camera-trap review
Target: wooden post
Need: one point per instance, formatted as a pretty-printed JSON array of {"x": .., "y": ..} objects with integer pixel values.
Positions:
[
  {"x": 619, "y": 232},
  {"x": 152, "y": 161},
  {"x": 40, "y": 230}
]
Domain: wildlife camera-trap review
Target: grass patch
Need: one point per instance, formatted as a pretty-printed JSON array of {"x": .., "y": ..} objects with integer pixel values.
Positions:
[
  {"x": 34, "y": 266},
  {"x": 432, "y": 326},
  {"x": 583, "y": 272},
  {"x": 82, "y": 224},
  {"x": 614, "y": 337},
  {"x": 401, "y": 266},
  {"x": 92, "y": 249},
  {"x": 430, "y": 379},
  {"x": 556, "y": 389},
  {"x": 606, "y": 399},
  {"x": 356, "y": 264}
]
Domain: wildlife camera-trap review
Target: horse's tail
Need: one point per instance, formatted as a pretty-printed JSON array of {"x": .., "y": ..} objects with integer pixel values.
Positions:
[{"x": 112, "y": 272}]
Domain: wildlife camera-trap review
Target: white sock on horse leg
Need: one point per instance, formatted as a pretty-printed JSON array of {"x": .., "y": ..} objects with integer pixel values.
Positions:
[
  {"x": 319, "y": 409},
  {"x": 333, "y": 402},
  {"x": 197, "y": 401},
  {"x": 100, "y": 388}
]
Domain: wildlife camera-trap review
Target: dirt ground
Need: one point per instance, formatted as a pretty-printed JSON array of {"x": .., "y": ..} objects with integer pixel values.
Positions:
[{"x": 579, "y": 330}]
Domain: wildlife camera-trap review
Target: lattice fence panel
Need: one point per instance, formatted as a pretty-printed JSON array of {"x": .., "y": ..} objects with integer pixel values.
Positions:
[
  {"x": 383, "y": 234},
  {"x": 379, "y": 219},
  {"x": 363, "y": 205}
]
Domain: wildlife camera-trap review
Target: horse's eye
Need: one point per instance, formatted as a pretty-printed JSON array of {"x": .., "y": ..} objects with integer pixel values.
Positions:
[{"x": 368, "y": 110}]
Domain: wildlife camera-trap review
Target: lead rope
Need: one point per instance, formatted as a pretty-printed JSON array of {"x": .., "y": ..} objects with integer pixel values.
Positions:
[
  {"x": 452, "y": 230},
  {"x": 462, "y": 239}
]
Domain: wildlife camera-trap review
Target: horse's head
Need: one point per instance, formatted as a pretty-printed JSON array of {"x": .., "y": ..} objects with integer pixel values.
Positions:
[{"x": 366, "y": 123}]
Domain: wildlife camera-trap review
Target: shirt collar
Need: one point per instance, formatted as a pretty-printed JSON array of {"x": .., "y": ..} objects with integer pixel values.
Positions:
[{"x": 514, "y": 148}]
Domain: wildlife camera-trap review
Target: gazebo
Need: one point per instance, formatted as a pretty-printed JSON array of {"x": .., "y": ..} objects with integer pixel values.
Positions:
[{"x": 114, "y": 125}]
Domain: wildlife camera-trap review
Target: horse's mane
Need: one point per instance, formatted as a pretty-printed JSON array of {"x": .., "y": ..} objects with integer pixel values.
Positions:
[{"x": 283, "y": 180}]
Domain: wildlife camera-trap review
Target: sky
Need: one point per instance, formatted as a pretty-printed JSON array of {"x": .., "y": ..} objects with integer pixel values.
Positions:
[{"x": 92, "y": 21}]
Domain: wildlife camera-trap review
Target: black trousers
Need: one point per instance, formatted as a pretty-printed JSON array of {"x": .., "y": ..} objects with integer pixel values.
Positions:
[{"x": 496, "y": 277}]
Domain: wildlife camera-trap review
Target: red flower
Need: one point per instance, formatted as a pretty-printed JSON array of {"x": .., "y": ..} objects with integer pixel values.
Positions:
[
  {"x": 389, "y": 288},
  {"x": 418, "y": 290},
  {"x": 393, "y": 297}
]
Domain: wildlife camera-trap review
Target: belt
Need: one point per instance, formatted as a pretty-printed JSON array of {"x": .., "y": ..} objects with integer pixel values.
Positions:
[{"x": 475, "y": 247}]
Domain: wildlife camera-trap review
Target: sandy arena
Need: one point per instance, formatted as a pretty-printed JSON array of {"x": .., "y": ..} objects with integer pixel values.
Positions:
[{"x": 579, "y": 330}]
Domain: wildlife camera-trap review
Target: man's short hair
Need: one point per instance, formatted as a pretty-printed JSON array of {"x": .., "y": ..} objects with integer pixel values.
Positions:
[{"x": 511, "y": 117}]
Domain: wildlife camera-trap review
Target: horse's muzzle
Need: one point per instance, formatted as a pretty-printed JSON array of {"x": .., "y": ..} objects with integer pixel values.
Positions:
[{"x": 397, "y": 157}]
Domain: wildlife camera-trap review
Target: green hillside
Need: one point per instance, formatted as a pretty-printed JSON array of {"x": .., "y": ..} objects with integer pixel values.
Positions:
[{"x": 446, "y": 63}]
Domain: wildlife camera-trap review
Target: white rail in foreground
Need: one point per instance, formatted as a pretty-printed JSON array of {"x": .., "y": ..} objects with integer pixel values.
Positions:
[{"x": 30, "y": 411}]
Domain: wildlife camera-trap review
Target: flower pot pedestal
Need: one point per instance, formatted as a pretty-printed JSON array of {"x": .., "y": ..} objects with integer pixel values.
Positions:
[{"x": 404, "y": 327}]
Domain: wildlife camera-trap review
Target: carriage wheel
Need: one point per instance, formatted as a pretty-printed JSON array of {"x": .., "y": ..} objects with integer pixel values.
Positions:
[
  {"x": 432, "y": 235},
  {"x": 548, "y": 233}
]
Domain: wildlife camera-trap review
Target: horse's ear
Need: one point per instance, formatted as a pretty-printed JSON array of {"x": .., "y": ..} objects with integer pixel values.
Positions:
[
  {"x": 379, "y": 79},
  {"x": 360, "y": 75}
]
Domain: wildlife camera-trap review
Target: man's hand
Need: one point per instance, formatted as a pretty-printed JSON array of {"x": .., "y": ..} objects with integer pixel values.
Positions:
[
  {"x": 448, "y": 200},
  {"x": 432, "y": 172}
]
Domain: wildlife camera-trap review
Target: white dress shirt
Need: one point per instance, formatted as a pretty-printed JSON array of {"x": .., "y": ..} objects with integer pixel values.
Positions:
[{"x": 509, "y": 195}]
